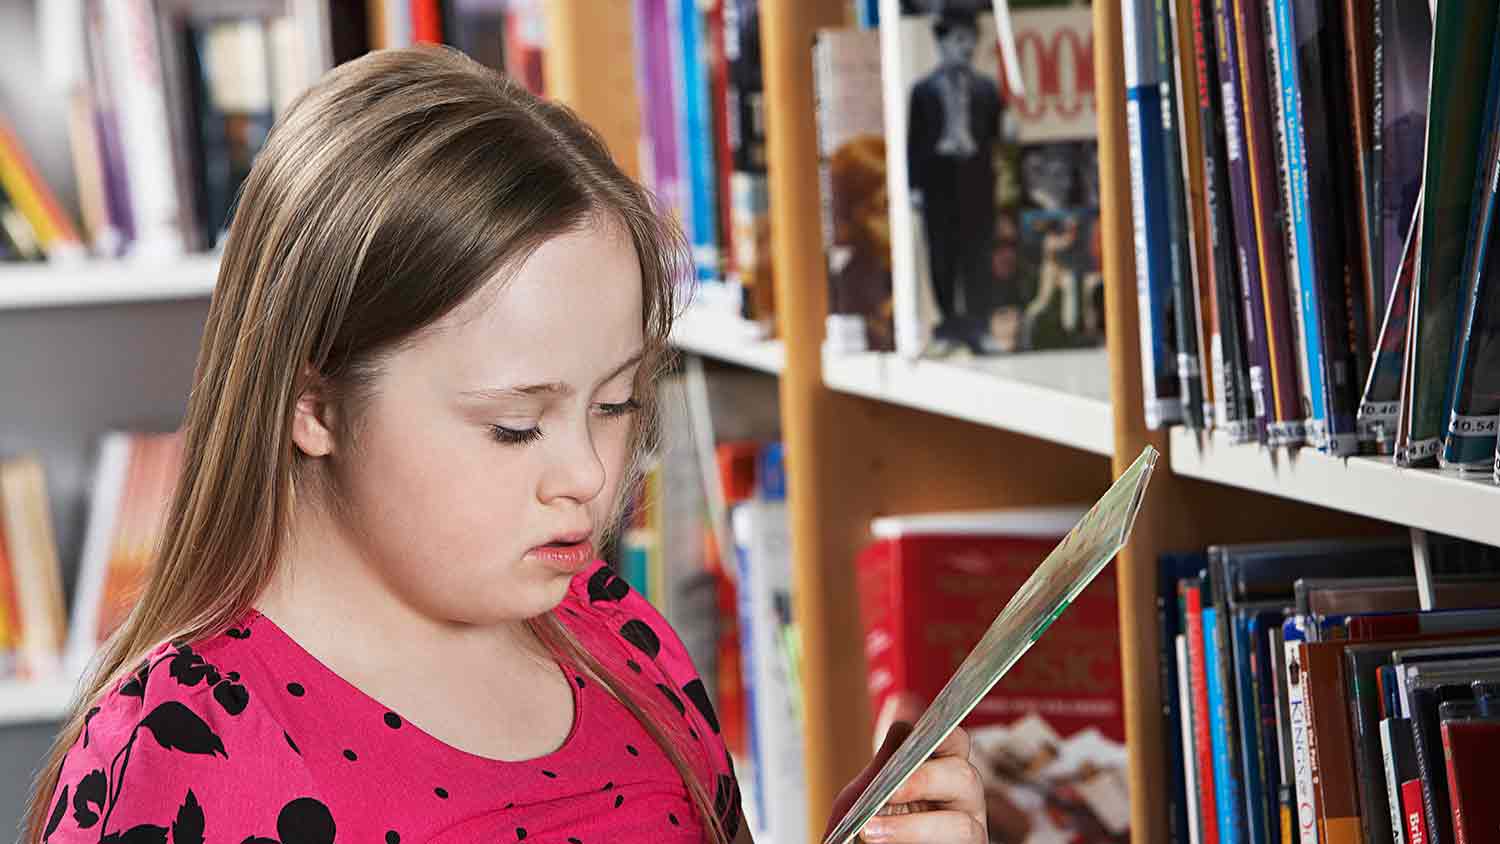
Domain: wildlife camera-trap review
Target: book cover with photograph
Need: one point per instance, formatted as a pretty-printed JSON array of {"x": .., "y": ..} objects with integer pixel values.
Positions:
[{"x": 967, "y": 163}]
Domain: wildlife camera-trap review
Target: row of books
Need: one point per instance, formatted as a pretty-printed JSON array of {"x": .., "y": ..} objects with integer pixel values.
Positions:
[
  {"x": 173, "y": 101},
  {"x": 1309, "y": 699},
  {"x": 1313, "y": 188},
  {"x": 960, "y": 199},
  {"x": 41, "y": 638}
]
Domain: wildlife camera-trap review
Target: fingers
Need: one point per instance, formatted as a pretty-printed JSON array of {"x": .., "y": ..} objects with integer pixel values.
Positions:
[
  {"x": 951, "y": 827},
  {"x": 956, "y": 744},
  {"x": 950, "y": 781},
  {"x": 902, "y": 706}
]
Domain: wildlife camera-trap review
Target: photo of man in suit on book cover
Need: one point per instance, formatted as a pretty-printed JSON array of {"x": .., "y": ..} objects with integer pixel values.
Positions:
[{"x": 955, "y": 120}]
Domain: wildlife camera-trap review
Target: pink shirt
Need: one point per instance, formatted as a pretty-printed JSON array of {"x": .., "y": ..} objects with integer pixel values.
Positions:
[{"x": 246, "y": 737}]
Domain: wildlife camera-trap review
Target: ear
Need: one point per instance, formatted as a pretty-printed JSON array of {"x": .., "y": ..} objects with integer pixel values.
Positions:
[{"x": 313, "y": 416}]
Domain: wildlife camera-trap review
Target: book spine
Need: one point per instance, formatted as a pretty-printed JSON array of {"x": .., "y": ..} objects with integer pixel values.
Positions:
[
  {"x": 1307, "y": 813},
  {"x": 1338, "y": 798},
  {"x": 1463, "y": 41},
  {"x": 1269, "y": 222},
  {"x": 1149, "y": 212},
  {"x": 1299, "y": 225},
  {"x": 1286, "y": 792},
  {"x": 749, "y": 223},
  {"x": 1231, "y": 366},
  {"x": 1358, "y": 47},
  {"x": 1460, "y": 832},
  {"x": 1228, "y": 795},
  {"x": 1364, "y": 717},
  {"x": 1268, "y": 756},
  {"x": 1469, "y": 440},
  {"x": 1247, "y": 257},
  {"x": 723, "y": 159},
  {"x": 1247, "y": 718},
  {"x": 426, "y": 22},
  {"x": 137, "y": 75},
  {"x": 1392, "y": 783},
  {"x": 1185, "y": 770},
  {"x": 1380, "y": 407},
  {"x": 1183, "y": 283},
  {"x": 1405, "y": 40},
  {"x": 1375, "y": 176},
  {"x": 1427, "y": 744},
  {"x": 1191, "y": 136},
  {"x": 1202, "y": 725},
  {"x": 696, "y": 137},
  {"x": 1416, "y": 819}
]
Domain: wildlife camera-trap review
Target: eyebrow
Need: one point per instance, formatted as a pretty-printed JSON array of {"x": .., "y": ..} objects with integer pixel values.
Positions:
[{"x": 546, "y": 388}]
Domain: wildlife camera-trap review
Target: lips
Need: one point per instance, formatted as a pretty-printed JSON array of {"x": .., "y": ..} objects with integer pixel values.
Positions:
[{"x": 571, "y": 552}]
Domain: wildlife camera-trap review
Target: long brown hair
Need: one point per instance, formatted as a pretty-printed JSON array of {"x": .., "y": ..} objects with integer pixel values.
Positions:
[{"x": 388, "y": 194}]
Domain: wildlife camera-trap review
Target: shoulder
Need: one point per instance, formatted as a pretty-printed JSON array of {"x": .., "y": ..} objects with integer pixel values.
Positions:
[
  {"x": 181, "y": 744},
  {"x": 615, "y": 620}
]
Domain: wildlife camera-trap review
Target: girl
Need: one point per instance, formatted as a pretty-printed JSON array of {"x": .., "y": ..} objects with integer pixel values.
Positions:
[{"x": 424, "y": 390}]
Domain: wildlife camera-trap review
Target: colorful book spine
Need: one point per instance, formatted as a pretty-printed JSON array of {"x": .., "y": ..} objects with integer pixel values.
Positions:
[
  {"x": 1463, "y": 40},
  {"x": 1396, "y": 758},
  {"x": 1185, "y": 768},
  {"x": 1149, "y": 168},
  {"x": 1228, "y": 793},
  {"x": 1294, "y": 632},
  {"x": 1260, "y": 148},
  {"x": 32, "y": 197},
  {"x": 1233, "y": 403},
  {"x": 1247, "y": 256},
  {"x": 1183, "y": 283},
  {"x": 1470, "y": 747},
  {"x": 1191, "y": 136},
  {"x": 1208, "y": 812},
  {"x": 1333, "y": 754},
  {"x": 749, "y": 223},
  {"x": 1359, "y": 58},
  {"x": 1247, "y": 715},
  {"x": 697, "y": 142}
]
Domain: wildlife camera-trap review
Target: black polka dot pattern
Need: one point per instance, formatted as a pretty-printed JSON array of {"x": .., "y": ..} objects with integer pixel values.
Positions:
[
  {"x": 295, "y": 689},
  {"x": 350, "y": 755},
  {"x": 441, "y": 792},
  {"x": 520, "y": 833},
  {"x": 640, "y": 634},
  {"x": 392, "y": 837},
  {"x": 393, "y": 720}
]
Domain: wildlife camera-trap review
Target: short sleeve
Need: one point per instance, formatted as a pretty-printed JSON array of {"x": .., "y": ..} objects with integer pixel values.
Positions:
[
  {"x": 180, "y": 750},
  {"x": 649, "y": 647}
]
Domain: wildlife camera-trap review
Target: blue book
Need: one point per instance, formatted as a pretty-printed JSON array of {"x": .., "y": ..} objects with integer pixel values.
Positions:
[
  {"x": 1227, "y": 790},
  {"x": 1149, "y": 215},
  {"x": 1258, "y": 785},
  {"x": 698, "y": 141}
]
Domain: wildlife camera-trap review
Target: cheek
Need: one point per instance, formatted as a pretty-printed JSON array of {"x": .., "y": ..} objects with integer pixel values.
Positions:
[{"x": 612, "y": 444}]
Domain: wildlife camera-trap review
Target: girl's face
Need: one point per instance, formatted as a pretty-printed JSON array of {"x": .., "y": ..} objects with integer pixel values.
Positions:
[{"x": 505, "y": 428}]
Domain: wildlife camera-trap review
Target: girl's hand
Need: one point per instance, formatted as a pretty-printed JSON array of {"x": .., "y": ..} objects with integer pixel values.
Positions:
[{"x": 942, "y": 802}]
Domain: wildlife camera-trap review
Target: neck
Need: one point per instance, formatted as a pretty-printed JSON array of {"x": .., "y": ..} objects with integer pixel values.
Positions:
[{"x": 328, "y": 595}]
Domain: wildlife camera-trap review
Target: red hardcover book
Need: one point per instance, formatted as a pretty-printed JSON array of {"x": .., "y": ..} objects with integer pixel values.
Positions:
[
  {"x": 1049, "y": 738},
  {"x": 1411, "y": 809},
  {"x": 426, "y": 22},
  {"x": 1208, "y": 813},
  {"x": 1470, "y": 748}
]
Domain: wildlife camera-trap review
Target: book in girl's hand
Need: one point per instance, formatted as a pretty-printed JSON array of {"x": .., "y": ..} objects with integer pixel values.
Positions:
[{"x": 1049, "y": 737}]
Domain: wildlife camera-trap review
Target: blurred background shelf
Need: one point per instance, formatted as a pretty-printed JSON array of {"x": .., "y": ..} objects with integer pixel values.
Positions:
[
  {"x": 26, "y": 703},
  {"x": 100, "y": 282},
  {"x": 1430, "y": 499},
  {"x": 713, "y": 333},
  {"x": 1060, "y": 396}
]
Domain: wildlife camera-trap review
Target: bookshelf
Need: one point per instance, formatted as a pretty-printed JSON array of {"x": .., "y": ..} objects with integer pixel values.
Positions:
[
  {"x": 1430, "y": 499},
  {"x": 1062, "y": 397},
  {"x": 91, "y": 282},
  {"x": 31, "y": 703}
]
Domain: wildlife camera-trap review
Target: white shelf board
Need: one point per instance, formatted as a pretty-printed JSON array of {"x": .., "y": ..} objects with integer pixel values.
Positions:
[
  {"x": 1434, "y": 500},
  {"x": 100, "y": 282},
  {"x": 717, "y": 333},
  {"x": 33, "y": 702},
  {"x": 1060, "y": 396}
]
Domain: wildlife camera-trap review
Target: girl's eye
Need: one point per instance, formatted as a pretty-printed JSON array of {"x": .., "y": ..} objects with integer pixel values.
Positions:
[
  {"x": 619, "y": 408},
  {"x": 515, "y": 436}
]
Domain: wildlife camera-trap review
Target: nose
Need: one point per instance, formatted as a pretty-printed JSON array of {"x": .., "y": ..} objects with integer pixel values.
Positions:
[{"x": 576, "y": 471}]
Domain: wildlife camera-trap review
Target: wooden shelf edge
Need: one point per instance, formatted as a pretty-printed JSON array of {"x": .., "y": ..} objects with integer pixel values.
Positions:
[
  {"x": 1020, "y": 393},
  {"x": 1431, "y": 499},
  {"x": 75, "y": 283}
]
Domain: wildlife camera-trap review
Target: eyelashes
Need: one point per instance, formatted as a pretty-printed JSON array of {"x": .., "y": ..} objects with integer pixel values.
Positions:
[{"x": 522, "y": 436}]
